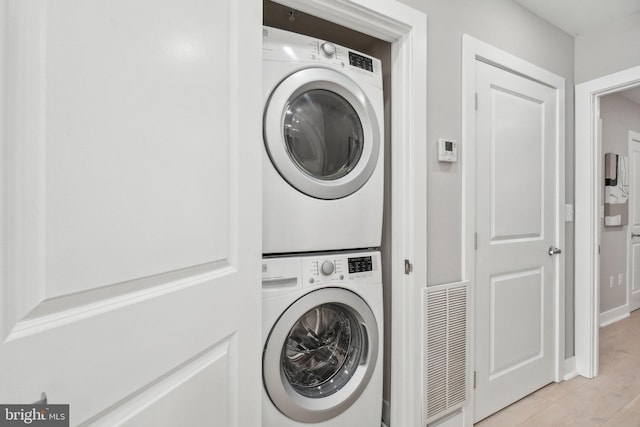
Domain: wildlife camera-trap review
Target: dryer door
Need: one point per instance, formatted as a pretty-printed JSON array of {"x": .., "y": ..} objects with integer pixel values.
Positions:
[
  {"x": 322, "y": 133},
  {"x": 320, "y": 355}
]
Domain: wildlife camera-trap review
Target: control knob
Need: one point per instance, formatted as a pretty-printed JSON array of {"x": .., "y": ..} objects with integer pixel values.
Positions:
[
  {"x": 327, "y": 268},
  {"x": 328, "y": 49}
]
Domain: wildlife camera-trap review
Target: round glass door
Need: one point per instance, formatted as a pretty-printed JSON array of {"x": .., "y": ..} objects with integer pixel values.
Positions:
[
  {"x": 321, "y": 133},
  {"x": 322, "y": 351},
  {"x": 320, "y": 355}
]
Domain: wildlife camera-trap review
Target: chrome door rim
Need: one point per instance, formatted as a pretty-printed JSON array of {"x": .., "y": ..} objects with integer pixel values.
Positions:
[
  {"x": 282, "y": 394},
  {"x": 273, "y": 128}
]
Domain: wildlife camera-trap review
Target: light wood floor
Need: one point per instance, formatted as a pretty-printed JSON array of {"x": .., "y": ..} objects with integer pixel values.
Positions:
[{"x": 612, "y": 399}]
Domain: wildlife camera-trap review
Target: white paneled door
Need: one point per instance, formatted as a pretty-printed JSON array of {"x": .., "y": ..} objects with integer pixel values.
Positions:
[
  {"x": 130, "y": 211},
  {"x": 634, "y": 221},
  {"x": 516, "y": 206}
]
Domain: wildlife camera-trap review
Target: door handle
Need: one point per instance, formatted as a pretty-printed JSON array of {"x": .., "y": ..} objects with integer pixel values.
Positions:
[
  {"x": 634, "y": 235},
  {"x": 554, "y": 251}
]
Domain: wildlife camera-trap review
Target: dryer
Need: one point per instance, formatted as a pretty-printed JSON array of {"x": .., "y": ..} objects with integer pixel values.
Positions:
[
  {"x": 323, "y": 133},
  {"x": 322, "y": 338}
]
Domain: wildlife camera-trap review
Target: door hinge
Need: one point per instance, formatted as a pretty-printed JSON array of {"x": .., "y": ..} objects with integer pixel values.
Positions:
[
  {"x": 475, "y": 241},
  {"x": 476, "y": 101},
  {"x": 408, "y": 267},
  {"x": 474, "y": 379}
]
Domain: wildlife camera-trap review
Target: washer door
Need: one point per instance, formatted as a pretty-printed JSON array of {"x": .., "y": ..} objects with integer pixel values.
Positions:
[
  {"x": 321, "y": 133},
  {"x": 320, "y": 355}
]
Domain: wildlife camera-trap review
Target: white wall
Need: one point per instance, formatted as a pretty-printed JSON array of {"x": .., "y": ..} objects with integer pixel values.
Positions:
[
  {"x": 607, "y": 50},
  {"x": 619, "y": 116},
  {"x": 514, "y": 29},
  {"x": 507, "y": 26}
]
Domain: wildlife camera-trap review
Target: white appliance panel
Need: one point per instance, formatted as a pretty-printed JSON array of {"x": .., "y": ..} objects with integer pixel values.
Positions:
[
  {"x": 304, "y": 211},
  {"x": 295, "y": 287}
]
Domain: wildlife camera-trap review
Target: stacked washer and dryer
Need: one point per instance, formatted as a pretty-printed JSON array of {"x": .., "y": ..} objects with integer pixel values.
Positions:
[{"x": 322, "y": 224}]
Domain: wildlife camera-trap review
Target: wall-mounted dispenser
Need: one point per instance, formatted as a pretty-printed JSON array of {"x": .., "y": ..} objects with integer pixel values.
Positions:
[{"x": 616, "y": 189}]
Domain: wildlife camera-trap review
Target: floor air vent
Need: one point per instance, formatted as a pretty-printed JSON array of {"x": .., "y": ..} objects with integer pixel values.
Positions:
[{"x": 446, "y": 345}]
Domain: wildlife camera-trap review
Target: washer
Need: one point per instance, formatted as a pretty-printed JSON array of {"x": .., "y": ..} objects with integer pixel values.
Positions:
[
  {"x": 322, "y": 338},
  {"x": 323, "y": 137}
]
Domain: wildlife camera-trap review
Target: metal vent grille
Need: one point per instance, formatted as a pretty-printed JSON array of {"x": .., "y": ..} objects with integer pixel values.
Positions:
[{"x": 445, "y": 329}]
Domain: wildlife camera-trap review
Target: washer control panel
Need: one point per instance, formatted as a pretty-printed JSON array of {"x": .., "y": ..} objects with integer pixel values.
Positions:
[
  {"x": 283, "y": 275},
  {"x": 328, "y": 49},
  {"x": 355, "y": 267},
  {"x": 327, "y": 268}
]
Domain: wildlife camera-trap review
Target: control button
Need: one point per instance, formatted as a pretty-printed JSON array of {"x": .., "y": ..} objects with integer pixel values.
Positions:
[
  {"x": 327, "y": 268},
  {"x": 311, "y": 280},
  {"x": 328, "y": 49},
  {"x": 342, "y": 277}
]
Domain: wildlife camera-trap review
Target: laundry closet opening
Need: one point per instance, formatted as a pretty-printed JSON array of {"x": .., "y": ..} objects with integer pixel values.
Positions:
[{"x": 282, "y": 17}]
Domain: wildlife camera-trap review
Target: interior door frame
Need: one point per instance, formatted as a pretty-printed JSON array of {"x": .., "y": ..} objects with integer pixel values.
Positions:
[
  {"x": 475, "y": 50},
  {"x": 631, "y": 137},
  {"x": 406, "y": 29},
  {"x": 587, "y": 212}
]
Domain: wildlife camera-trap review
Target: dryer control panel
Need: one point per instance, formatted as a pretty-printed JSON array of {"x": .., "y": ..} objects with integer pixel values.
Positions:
[{"x": 280, "y": 45}]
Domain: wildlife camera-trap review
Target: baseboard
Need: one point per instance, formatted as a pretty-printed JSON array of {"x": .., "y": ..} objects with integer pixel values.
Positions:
[
  {"x": 613, "y": 315},
  {"x": 386, "y": 413},
  {"x": 570, "y": 371},
  {"x": 454, "y": 419}
]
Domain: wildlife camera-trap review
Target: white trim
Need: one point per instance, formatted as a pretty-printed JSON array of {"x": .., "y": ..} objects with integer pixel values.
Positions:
[
  {"x": 570, "y": 369},
  {"x": 472, "y": 50},
  {"x": 587, "y": 224},
  {"x": 633, "y": 137},
  {"x": 406, "y": 29},
  {"x": 23, "y": 65},
  {"x": 612, "y": 316}
]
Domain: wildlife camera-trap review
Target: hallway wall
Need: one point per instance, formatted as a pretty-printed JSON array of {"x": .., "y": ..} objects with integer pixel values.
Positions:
[
  {"x": 510, "y": 27},
  {"x": 619, "y": 116},
  {"x": 507, "y": 26}
]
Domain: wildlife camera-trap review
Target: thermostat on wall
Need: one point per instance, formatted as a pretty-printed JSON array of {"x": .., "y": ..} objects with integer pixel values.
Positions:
[{"x": 447, "y": 150}]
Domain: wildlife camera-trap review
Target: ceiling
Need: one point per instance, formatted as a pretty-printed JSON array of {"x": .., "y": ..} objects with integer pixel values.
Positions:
[{"x": 576, "y": 17}]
